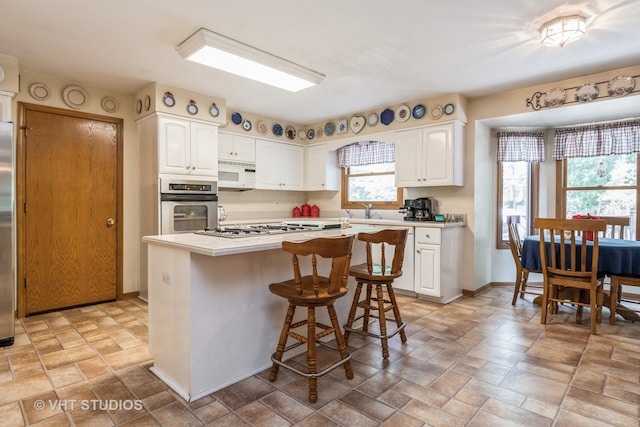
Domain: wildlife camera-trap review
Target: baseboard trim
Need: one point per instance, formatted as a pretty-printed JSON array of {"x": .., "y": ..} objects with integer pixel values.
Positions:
[
  {"x": 476, "y": 292},
  {"x": 129, "y": 295}
]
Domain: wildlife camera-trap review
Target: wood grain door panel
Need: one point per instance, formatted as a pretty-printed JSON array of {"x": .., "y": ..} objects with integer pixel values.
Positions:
[{"x": 70, "y": 194}]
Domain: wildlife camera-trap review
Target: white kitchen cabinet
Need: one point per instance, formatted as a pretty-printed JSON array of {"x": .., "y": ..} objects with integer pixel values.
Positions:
[
  {"x": 430, "y": 156},
  {"x": 187, "y": 147},
  {"x": 438, "y": 263},
  {"x": 279, "y": 166},
  {"x": 321, "y": 171},
  {"x": 405, "y": 282},
  {"x": 237, "y": 148}
]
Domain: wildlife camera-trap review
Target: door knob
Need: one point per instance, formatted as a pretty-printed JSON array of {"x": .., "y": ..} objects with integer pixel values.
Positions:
[{"x": 110, "y": 222}]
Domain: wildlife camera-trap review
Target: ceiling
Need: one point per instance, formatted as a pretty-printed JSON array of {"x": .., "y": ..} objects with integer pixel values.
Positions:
[{"x": 374, "y": 53}]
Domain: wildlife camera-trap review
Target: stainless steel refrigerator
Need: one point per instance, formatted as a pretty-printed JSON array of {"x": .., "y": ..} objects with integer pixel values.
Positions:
[{"x": 7, "y": 235}]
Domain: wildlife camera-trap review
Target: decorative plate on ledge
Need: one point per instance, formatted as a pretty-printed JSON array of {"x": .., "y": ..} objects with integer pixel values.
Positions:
[
  {"x": 554, "y": 98},
  {"x": 621, "y": 86},
  {"x": 587, "y": 92},
  {"x": 39, "y": 91},
  {"x": 109, "y": 104},
  {"x": 75, "y": 97},
  {"x": 436, "y": 112}
]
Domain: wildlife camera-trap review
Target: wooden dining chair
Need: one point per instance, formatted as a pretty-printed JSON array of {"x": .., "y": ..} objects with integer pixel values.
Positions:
[
  {"x": 566, "y": 265},
  {"x": 616, "y": 297},
  {"x": 616, "y": 224},
  {"x": 314, "y": 291},
  {"x": 522, "y": 274}
]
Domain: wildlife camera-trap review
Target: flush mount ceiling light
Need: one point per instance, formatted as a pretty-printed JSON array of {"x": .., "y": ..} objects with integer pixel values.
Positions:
[
  {"x": 562, "y": 31},
  {"x": 223, "y": 53}
]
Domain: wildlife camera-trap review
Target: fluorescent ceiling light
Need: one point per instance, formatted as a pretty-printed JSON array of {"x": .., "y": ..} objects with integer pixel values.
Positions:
[
  {"x": 223, "y": 53},
  {"x": 562, "y": 31}
]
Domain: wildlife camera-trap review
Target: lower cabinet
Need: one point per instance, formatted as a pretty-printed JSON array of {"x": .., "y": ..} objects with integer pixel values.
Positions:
[{"x": 438, "y": 263}]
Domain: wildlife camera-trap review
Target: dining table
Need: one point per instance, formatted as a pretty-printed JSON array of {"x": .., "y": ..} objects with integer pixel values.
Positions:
[{"x": 617, "y": 257}]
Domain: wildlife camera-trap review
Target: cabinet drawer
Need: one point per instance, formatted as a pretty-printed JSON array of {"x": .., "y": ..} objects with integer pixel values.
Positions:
[{"x": 428, "y": 235}]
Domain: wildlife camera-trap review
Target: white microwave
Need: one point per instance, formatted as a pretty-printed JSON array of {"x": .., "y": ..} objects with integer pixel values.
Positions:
[{"x": 236, "y": 175}]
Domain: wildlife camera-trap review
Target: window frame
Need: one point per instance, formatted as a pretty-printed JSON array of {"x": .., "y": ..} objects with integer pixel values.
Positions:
[
  {"x": 562, "y": 189},
  {"x": 346, "y": 204},
  {"x": 534, "y": 197}
]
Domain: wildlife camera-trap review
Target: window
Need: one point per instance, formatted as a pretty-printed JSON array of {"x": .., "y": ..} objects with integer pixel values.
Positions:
[
  {"x": 603, "y": 185},
  {"x": 368, "y": 175},
  {"x": 519, "y": 154},
  {"x": 597, "y": 171},
  {"x": 517, "y": 195}
]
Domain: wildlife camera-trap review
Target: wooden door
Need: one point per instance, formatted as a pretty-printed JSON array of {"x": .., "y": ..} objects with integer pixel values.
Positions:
[{"x": 70, "y": 198}]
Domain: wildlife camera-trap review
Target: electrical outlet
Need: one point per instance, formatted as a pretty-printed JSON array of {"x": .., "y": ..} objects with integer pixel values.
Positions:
[{"x": 166, "y": 279}]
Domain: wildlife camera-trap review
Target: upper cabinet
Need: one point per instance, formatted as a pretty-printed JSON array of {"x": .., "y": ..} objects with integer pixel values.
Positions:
[
  {"x": 431, "y": 156},
  {"x": 237, "y": 148},
  {"x": 321, "y": 171},
  {"x": 187, "y": 147},
  {"x": 278, "y": 166}
]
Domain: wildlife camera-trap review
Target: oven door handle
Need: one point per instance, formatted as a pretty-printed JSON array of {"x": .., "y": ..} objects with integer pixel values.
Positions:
[{"x": 168, "y": 197}]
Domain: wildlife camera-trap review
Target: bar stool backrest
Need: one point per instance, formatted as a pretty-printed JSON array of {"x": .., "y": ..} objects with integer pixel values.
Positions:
[
  {"x": 385, "y": 238},
  {"x": 336, "y": 248}
]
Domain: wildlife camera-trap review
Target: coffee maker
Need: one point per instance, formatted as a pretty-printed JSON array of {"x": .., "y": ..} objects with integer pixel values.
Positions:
[{"x": 421, "y": 209}]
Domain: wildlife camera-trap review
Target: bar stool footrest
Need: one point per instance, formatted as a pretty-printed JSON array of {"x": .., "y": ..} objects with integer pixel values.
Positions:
[
  {"x": 387, "y": 336},
  {"x": 310, "y": 374}
]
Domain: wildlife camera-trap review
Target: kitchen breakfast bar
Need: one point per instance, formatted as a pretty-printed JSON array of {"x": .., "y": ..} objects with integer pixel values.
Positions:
[{"x": 212, "y": 319}]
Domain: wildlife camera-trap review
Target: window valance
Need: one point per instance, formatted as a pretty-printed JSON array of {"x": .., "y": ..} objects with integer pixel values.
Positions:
[
  {"x": 366, "y": 153},
  {"x": 597, "y": 140},
  {"x": 520, "y": 146}
]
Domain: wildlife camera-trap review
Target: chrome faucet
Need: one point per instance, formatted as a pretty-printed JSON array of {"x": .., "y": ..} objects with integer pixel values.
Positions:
[{"x": 367, "y": 210}]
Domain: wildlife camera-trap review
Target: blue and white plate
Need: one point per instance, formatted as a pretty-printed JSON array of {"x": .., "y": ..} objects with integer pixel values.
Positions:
[
  {"x": 311, "y": 134},
  {"x": 419, "y": 111},
  {"x": 246, "y": 125},
  {"x": 329, "y": 128},
  {"x": 386, "y": 117},
  {"x": 236, "y": 118},
  {"x": 277, "y": 130}
]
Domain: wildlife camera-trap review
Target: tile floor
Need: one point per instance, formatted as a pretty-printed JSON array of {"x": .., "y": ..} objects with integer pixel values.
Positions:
[{"x": 476, "y": 362}]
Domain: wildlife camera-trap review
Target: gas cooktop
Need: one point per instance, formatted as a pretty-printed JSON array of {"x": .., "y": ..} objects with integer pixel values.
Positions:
[{"x": 252, "y": 230}]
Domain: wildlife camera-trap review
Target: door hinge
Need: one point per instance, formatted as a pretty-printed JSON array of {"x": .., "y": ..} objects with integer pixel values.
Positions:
[
  {"x": 25, "y": 129},
  {"x": 24, "y": 207},
  {"x": 25, "y": 283}
]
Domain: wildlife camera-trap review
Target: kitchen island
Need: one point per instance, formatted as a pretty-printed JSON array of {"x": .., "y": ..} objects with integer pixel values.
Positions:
[{"x": 212, "y": 319}]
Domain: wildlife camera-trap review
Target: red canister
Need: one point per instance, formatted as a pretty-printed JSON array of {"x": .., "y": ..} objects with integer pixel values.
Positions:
[
  {"x": 296, "y": 212},
  {"x": 306, "y": 210},
  {"x": 315, "y": 211}
]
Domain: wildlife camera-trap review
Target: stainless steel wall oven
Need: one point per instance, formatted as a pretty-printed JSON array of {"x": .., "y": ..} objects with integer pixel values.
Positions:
[{"x": 187, "y": 206}]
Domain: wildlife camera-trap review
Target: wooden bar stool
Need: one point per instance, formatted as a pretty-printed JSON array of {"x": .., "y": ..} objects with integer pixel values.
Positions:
[
  {"x": 378, "y": 274},
  {"x": 314, "y": 291}
]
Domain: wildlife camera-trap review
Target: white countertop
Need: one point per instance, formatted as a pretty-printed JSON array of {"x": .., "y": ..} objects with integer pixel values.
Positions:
[
  {"x": 399, "y": 222},
  {"x": 220, "y": 246},
  {"x": 359, "y": 221}
]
